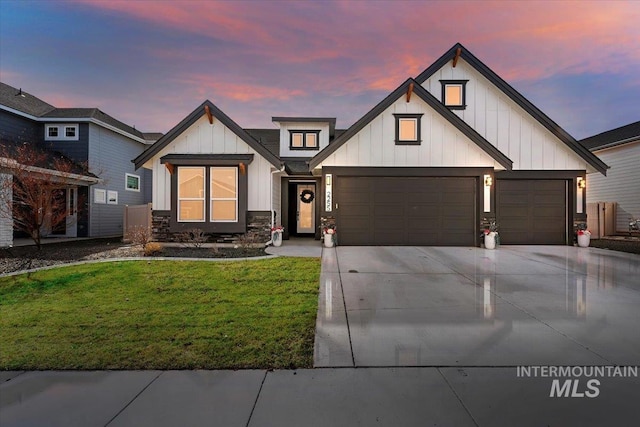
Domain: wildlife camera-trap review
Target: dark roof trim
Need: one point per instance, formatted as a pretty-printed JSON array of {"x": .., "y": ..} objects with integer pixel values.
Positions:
[
  {"x": 330, "y": 120},
  {"x": 178, "y": 129},
  {"x": 613, "y": 138},
  {"x": 516, "y": 97},
  {"x": 206, "y": 159},
  {"x": 451, "y": 117}
]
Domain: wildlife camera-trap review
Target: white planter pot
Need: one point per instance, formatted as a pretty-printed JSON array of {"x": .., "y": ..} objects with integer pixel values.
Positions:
[
  {"x": 328, "y": 240},
  {"x": 489, "y": 241},
  {"x": 584, "y": 240},
  {"x": 276, "y": 238}
]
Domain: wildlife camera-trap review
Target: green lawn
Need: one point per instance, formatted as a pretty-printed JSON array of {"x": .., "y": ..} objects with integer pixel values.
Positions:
[{"x": 161, "y": 315}]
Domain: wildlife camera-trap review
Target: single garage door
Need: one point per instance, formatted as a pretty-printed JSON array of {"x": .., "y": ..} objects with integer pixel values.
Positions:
[
  {"x": 532, "y": 212},
  {"x": 421, "y": 211}
]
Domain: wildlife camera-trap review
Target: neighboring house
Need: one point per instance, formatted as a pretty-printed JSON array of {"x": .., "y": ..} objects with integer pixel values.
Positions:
[
  {"x": 429, "y": 165},
  {"x": 620, "y": 149},
  {"x": 91, "y": 138}
]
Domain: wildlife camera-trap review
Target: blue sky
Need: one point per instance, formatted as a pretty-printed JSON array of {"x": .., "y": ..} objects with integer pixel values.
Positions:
[{"x": 150, "y": 63}]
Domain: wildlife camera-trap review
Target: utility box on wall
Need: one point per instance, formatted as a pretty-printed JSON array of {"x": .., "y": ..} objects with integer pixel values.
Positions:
[{"x": 601, "y": 219}]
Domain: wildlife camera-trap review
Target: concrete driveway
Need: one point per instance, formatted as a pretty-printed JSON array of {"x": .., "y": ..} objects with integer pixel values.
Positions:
[{"x": 472, "y": 307}]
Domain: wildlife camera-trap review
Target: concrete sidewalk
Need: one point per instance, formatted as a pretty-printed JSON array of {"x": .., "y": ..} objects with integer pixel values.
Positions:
[{"x": 314, "y": 397}]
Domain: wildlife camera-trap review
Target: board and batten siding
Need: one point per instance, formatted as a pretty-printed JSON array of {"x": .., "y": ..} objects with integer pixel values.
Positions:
[
  {"x": 505, "y": 124},
  {"x": 443, "y": 145},
  {"x": 285, "y": 127},
  {"x": 622, "y": 183},
  {"x": 6, "y": 218},
  {"x": 110, "y": 157},
  {"x": 204, "y": 138},
  {"x": 276, "y": 197}
]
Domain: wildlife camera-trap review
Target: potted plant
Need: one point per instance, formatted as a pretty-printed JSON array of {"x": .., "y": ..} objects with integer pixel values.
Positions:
[
  {"x": 490, "y": 234},
  {"x": 329, "y": 236},
  {"x": 276, "y": 235},
  {"x": 584, "y": 236}
]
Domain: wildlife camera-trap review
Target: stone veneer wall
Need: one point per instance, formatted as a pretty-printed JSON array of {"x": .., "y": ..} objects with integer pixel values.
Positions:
[
  {"x": 6, "y": 218},
  {"x": 258, "y": 227}
]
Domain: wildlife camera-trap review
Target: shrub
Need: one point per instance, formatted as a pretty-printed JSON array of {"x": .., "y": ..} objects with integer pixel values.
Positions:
[
  {"x": 152, "y": 249},
  {"x": 193, "y": 237},
  {"x": 139, "y": 235}
]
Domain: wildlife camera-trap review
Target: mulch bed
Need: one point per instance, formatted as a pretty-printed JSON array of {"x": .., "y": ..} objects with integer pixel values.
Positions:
[{"x": 27, "y": 257}]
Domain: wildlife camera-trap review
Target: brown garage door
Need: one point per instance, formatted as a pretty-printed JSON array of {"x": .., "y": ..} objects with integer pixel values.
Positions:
[
  {"x": 532, "y": 212},
  {"x": 406, "y": 211}
]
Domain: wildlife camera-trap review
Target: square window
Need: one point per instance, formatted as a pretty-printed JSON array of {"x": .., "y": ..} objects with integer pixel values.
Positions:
[
  {"x": 132, "y": 182},
  {"x": 408, "y": 129},
  {"x": 454, "y": 94},
  {"x": 70, "y": 131},
  {"x": 297, "y": 140},
  {"x": 112, "y": 197},
  {"x": 99, "y": 196},
  {"x": 52, "y": 131}
]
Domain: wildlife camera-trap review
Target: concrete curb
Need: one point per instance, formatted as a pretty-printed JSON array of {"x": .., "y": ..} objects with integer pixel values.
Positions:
[{"x": 148, "y": 259}]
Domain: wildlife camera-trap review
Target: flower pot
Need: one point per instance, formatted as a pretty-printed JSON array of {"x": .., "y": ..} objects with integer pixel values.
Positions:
[
  {"x": 328, "y": 240},
  {"x": 490, "y": 241},
  {"x": 276, "y": 238},
  {"x": 584, "y": 240}
]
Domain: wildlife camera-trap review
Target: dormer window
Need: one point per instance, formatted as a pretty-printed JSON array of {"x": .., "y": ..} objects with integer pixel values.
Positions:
[
  {"x": 304, "y": 139},
  {"x": 454, "y": 94}
]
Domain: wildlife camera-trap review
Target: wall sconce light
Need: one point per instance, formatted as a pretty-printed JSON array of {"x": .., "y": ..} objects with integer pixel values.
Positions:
[
  {"x": 582, "y": 183},
  {"x": 488, "y": 181}
]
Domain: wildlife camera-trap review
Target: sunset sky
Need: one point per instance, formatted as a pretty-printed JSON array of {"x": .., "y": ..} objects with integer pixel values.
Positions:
[{"x": 150, "y": 63}]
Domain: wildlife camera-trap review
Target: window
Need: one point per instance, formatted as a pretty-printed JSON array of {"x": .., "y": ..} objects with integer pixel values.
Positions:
[
  {"x": 304, "y": 139},
  {"x": 62, "y": 132},
  {"x": 408, "y": 129},
  {"x": 70, "y": 131},
  {"x": 99, "y": 196},
  {"x": 191, "y": 188},
  {"x": 112, "y": 197},
  {"x": 132, "y": 182},
  {"x": 224, "y": 194},
  {"x": 454, "y": 94}
]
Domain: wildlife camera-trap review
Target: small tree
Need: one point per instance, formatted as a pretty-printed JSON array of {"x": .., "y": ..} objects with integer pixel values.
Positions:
[{"x": 39, "y": 179}]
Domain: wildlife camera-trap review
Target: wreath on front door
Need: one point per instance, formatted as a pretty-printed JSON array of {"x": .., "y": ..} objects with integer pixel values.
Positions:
[{"x": 306, "y": 196}]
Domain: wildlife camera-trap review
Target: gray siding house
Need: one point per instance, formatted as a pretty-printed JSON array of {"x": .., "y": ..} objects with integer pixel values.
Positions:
[
  {"x": 620, "y": 149},
  {"x": 89, "y": 137}
]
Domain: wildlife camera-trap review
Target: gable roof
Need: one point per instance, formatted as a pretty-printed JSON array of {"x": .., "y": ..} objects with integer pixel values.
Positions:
[
  {"x": 421, "y": 92},
  {"x": 614, "y": 137},
  {"x": 40, "y": 111},
  {"x": 178, "y": 129},
  {"x": 516, "y": 97}
]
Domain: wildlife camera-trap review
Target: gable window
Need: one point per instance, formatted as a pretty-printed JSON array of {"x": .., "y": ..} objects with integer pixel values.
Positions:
[
  {"x": 408, "y": 128},
  {"x": 191, "y": 194},
  {"x": 304, "y": 139},
  {"x": 132, "y": 182},
  {"x": 224, "y": 194},
  {"x": 454, "y": 94}
]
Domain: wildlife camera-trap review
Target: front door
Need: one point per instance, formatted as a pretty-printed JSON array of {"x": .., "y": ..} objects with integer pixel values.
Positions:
[{"x": 306, "y": 218}]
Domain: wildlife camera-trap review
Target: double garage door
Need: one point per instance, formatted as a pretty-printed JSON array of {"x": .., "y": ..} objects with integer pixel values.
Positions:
[
  {"x": 421, "y": 211},
  {"x": 441, "y": 211}
]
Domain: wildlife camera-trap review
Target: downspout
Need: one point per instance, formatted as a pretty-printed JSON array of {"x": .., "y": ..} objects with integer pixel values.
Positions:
[{"x": 273, "y": 215}]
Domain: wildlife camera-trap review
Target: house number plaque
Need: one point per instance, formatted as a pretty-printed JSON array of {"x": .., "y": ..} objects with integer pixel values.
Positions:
[{"x": 328, "y": 193}]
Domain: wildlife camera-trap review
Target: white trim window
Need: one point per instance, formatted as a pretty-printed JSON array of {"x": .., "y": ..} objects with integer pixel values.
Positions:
[
  {"x": 131, "y": 182},
  {"x": 112, "y": 197},
  {"x": 99, "y": 196},
  {"x": 191, "y": 194},
  {"x": 224, "y": 194},
  {"x": 61, "y": 132}
]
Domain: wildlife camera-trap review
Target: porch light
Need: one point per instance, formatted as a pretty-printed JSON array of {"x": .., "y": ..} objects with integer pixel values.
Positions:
[
  {"x": 488, "y": 181},
  {"x": 582, "y": 183}
]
